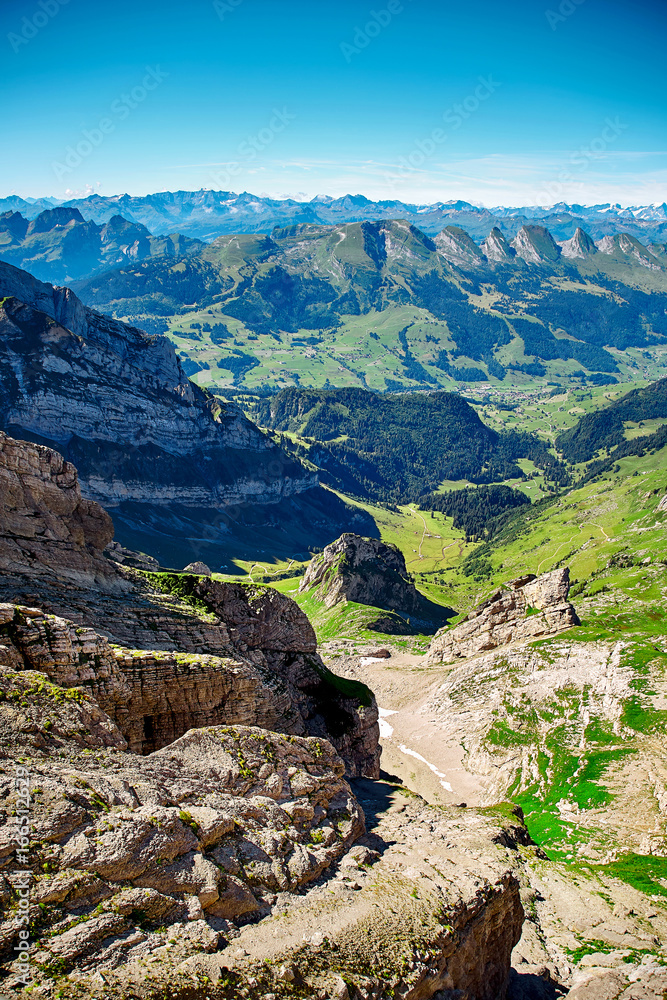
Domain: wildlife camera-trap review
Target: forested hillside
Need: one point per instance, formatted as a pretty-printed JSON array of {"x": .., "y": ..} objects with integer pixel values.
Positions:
[
  {"x": 476, "y": 510},
  {"x": 603, "y": 430},
  {"x": 396, "y": 447},
  {"x": 383, "y": 306}
]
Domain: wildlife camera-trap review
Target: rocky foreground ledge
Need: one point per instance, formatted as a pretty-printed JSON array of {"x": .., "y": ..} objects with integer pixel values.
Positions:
[
  {"x": 180, "y": 752},
  {"x": 233, "y": 862}
]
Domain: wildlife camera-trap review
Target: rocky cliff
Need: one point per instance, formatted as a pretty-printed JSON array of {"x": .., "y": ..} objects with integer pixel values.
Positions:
[
  {"x": 528, "y": 608},
  {"x": 195, "y": 652},
  {"x": 179, "y": 868},
  {"x": 265, "y": 674},
  {"x": 46, "y": 527},
  {"x": 171, "y": 847},
  {"x": 145, "y": 870},
  {"x": 368, "y": 571},
  {"x": 146, "y": 440}
]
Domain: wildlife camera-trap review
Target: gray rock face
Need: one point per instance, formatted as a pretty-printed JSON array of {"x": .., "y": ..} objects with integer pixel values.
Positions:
[
  {"x": 456, "y": 246},
  {"x": 536, "y": 245},
  {"x": 580, "y": 245},
  {"x": 46, "y": 526},
  {"x": 528, "y": 608},
  {"x": 624, "y": 247},
  {"x": 367, "y": 571},
  {"x": 173, "y": 845},
  {"x": 142, "y": 869},
  {"x": 117, "y": 401},
  {"x": 496, "y": 247}
]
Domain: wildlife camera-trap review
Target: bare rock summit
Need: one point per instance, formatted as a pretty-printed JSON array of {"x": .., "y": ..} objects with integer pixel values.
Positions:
[{"x": 368, "y": 571}]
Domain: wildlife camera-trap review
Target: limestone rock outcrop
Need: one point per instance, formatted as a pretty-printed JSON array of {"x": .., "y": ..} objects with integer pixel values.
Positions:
[
  {"x": 119, "y": 400},
  {"x": 142, "y": 870},
  {"x": 46, "y": 527},
  {"x": 130, "y": 852},
  {"x": 169, "y": 457},
  {"x": 368, "y": 571},
  {"x": 536, "y": 245},
  {"x": 128, "y": 557},
  {"x": 527, "y": 608},
  {"x": 193, "y": 653},
  {"x": 155, "y": 697}
]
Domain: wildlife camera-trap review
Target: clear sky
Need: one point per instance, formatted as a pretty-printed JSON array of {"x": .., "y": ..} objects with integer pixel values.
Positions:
[{"x": 516, "y": 102}]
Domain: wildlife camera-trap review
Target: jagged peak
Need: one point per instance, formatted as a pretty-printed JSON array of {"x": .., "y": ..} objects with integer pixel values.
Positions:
[
  {"x": 496, "y": 247},
  {"x": 52, "y": 217},
  {"x": 536, "y": 245},
  {"x": 455, "y": 245},
  {"x": 625, "y": 245},
  {"x": 580, "y": 245}
]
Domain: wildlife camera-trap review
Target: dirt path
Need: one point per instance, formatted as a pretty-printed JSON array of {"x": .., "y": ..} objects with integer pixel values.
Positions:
[{"x": 585, "y": 524}]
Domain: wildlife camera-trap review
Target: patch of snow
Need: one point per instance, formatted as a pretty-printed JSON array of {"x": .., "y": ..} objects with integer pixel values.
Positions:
[
  {"x": 385, "y": 728},
  {"x": 413, "y": 753}
]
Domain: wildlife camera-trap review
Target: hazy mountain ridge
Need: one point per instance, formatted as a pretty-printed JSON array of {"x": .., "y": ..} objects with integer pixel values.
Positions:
[
  {"x": 60, "y": 245},
  {"x": 206, "y": 214}
]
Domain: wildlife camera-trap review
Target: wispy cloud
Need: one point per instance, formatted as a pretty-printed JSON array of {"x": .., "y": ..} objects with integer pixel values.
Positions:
[{"x": 629, "y": 177}]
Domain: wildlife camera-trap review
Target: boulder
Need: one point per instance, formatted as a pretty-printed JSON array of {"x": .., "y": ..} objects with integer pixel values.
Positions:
[{"x": 198, "y": 568}]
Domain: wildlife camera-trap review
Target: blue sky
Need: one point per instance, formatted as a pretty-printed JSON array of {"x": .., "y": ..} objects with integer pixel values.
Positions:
[{"x": 497, "y": 103}]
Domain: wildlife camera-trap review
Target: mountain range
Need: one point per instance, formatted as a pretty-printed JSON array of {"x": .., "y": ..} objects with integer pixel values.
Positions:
[
  {"x": 206, "y": 214},
  {"x": 60, "y": 245},
  {"x": 383, "y": 306}
]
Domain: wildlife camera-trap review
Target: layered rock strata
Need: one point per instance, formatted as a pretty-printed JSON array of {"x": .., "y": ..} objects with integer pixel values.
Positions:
[
  {"x": 527, "y": 608},
  {"x": 155, "y": 697},
  {"x": 46, "y": 527},
  {"x": 172, "y": 847},
  {"x": 118, "y": 401},
  {"x": 427, "y": 905},
  {"x": 201, "y": 653},
  {"x": 142, "y": 870}
]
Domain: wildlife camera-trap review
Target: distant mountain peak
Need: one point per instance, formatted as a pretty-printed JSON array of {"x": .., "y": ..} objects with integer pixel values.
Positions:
[
  {"x": 623, "y": 245},
  {"x": 536, "y": 245},
  {"x": 580, "y": 245},
  {"x": 53, "y": 217},
  {"x": 495, "y": 247},
  {"x": 456, "y": 246}
]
